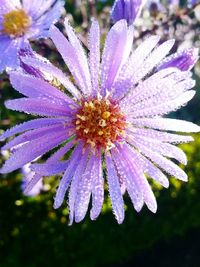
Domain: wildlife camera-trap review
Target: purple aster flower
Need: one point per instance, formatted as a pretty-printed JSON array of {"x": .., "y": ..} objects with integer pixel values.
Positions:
[
  {"x": 184, "y": 60},
  {"x": 21, "y": 21},
  {"x": 126, "y": 9},
  {"x": 110, "y": 118}
]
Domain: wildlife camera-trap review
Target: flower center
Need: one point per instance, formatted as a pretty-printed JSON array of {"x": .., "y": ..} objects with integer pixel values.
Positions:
[
  {"x": 16, "y": 23},
  {"x": 100, "y": 123}
]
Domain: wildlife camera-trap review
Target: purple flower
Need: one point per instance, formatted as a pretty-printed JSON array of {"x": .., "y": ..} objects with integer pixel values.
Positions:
[
  {"x": 126, "y": 9},
  {"x": 191, "y": 3},
  {"x": 110, "y": 118},
  {"x": 184, "y": 60},
  {"x": 20, "y": 22}
]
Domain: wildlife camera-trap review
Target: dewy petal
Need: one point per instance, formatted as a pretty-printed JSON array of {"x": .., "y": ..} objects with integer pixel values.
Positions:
[
  {"x": 68, "y": 175},
  {"x": 166, "y": 95},
  {"x": 50, "y": 169},
  {"x": 80, "y": 54},
  {"x": 94, "y": 56},
  {"x": 39, "y": 106},
  {"x": 162, "y": 136},
  {"x": 31, "y": 135},
  {"x": 45, "y": 66},
  {"x": 32, "y": 150},
  {"x": 97, "y": 188},
  {"x": 114, "y": 54},
  {"x": 30, "y": 125},
  {"x": 167, "y": 124},
  {"x": 53, "y": 165},
  {"x": 124, "y": 80},
  {"x": 69, "y": 54},
  {"x": 75, "y": 182},
  {"x": 155, "y": 57},
  {"x": 84, "y": 190},
  {"x": 141, "y": 180},
  {"x": 145, "y": 90},
  {"x": 132, "y": 188},
  {"x": 148, "y": 167},
  {"x": 155, "y": 145},
  {"x": 33, "y": 87},
  {"x": 184, "y": 60},
  {"x": 164, "y": 107},
  {"x": 114, "y": 190},
  {"x": 165, "y": 164}
]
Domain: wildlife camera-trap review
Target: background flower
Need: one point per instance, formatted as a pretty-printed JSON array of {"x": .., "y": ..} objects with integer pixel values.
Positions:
[
  {"x": 21, "y": 22},
  {"x": 128, "y": 10}
]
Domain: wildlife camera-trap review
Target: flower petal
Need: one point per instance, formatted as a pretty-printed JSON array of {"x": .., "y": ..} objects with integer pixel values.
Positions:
[
  {"x": 114, "y": 190},
  {"x": 32, "y": 150}
]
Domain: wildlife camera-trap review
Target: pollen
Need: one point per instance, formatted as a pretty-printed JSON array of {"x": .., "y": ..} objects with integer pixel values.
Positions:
[
  {"x": 16, "y": 23},
  {"x": 100, "y": 123}
]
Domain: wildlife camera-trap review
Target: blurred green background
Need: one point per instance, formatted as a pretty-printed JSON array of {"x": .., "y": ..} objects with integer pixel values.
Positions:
[{"x": 33, "y": 234}]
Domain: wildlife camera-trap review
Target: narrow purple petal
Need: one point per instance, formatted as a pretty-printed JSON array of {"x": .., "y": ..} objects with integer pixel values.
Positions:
[
  {"x": 68, "y": 175},
  {"x": 80, "y": 54},
  {"x": 163, "y": 136},
  {"x": 30, "y": 125},
  {"x": 84, "y": 190},
  {"x": 70, "y": 57},
  {"x": 148, "y": 167},
  {"x": 114, "y": 54},
  {"x": 141, "y": 180},
  {"x": 75, "y": 182},
  {"x": 34, "y": 87},
  {"x": 124, "y": 80},
  {"x": 97, "y": 188},
  {"x": 167, "y": 124},
  {"x": 164, "y": 107},
  {"x": 132, "y": 188},
  {"x": 33, "y": 134},
  {"x": 114, "y": 190},
  {"x": 165, "y": 164},
  {"x": 39, "y": 106},
  {"x": 155, "y": 145},
  {"x": 45, "y": 66},
  {"x": 32, "y": 150},
  {"x": 94, "y": 57},
  {"x": 155, "y": 57}
]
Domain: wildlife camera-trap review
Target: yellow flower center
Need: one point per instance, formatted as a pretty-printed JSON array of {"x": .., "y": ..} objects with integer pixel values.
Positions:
[
  {"x": 16, "y": 23},
  {"x": 100, "y": 123}
]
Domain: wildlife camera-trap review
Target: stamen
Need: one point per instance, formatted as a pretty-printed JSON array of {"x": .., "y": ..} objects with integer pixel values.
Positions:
[
  {"x": 100, "y": 123},
  {"x": 16, "y": 23}
]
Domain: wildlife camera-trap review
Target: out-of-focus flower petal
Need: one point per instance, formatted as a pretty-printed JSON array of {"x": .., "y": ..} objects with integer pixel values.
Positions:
[{"x": 126, "y": 9}]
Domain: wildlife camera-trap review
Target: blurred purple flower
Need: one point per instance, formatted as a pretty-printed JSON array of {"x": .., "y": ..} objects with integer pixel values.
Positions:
[
  {"x": 113, "y": 119},
  {"x": 20, "y": 22},
  {"x": 126, "y": 9},
  {"x": 191, "y": 3},
  {"x": 184, "y": 60},
  {"x": 174, "y": 2}
]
